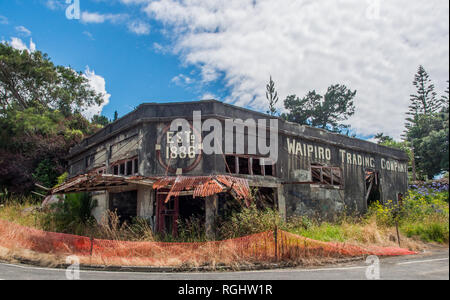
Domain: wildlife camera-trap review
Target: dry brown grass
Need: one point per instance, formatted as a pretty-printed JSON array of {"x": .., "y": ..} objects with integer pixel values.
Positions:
[{"x": 371, "y": 234}]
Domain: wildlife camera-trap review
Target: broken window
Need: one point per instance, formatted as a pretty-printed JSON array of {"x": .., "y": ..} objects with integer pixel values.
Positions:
[
  {"x": 124, "y": 204},
  {"x": 90, "y": 161},
  {"x": 373, "y": 188},
  {"x": 125, "y": 167},
  {"x": 129, "y": 168},
  {"x": 243, "y": 165},
  {"x": 256, "y": 166},
  {"x": 269, "y": 170},
  {"x": 136, "y": 166},
  {"x": 326, "y": 175},
  {"x": 231, "y": 163},
  {"x": 248, "y": 165}
]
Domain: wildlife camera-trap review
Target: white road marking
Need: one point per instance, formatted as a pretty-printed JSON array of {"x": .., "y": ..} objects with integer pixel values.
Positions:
[
  {"x": 435, "y": 272},
  {"x": 421, "y": 261},
  {"x": 146, "y": 273},
  {"x": 241, "y": 272}
]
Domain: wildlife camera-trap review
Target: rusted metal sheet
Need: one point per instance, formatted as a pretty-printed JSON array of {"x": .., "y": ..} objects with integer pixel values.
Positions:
[
  {"x": 200, "y": 186},
  {"x": 98, "y": 182},
  {"x": 204, "y": 186}
]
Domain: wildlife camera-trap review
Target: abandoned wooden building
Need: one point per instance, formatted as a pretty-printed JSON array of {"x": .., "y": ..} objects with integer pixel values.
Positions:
[{"x": 134, "y": 167}]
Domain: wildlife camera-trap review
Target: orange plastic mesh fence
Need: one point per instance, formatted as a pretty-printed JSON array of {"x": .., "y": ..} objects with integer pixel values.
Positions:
[{"x": 261, "y": 247}]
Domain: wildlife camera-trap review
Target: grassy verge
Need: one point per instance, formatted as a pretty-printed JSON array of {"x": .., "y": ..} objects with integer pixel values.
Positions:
[{"x": 423, "y": 217}]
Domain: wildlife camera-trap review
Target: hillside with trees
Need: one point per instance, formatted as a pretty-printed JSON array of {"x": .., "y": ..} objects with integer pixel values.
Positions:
[{"x": 41, "y": 106}]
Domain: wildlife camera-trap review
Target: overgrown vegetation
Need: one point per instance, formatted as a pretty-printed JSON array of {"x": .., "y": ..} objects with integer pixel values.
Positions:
[
  {"x": 423, "y": 216},
  {"x": 41, "y": 107}
]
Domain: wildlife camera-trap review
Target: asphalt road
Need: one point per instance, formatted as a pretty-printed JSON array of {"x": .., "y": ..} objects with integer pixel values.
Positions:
[{"x": 429, "y": 265}]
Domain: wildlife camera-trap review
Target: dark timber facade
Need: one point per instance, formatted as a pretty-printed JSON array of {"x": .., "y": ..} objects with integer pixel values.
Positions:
[{"x": 317, "y": 172}]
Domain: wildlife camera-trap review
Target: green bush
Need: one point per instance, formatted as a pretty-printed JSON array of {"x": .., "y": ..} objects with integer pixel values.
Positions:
[
  {"x": 46, "y": 173},
  {"x": 428, "y": 231},
  {"x": 250, "y": 220},
  {"x": 424, "y": 214},
  {"x": 72, "y": 215}
]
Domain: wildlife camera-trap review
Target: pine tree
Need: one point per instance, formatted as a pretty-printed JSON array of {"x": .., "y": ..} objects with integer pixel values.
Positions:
[
  {"x": 424, "y": 102},
  {"x": 272, "y": 97},
  {"x": 444, "y": 100}
]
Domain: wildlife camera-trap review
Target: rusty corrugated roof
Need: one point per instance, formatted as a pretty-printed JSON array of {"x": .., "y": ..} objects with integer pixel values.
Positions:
[
  {"x": 201, "y": 186},
  {"x": 204, "y": 186}
]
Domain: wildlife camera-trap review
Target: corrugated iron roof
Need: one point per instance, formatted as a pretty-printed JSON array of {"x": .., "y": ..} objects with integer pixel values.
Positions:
[
  {"x": 98, "y": 182},
  {"x": 204, "y": 186},
  {"x": 201, "y": 186}
]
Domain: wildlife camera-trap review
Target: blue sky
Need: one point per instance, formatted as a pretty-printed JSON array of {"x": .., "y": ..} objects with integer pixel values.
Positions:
[
  {"x": 177, "y": 50},
  {"x": 133, "y": 69}
]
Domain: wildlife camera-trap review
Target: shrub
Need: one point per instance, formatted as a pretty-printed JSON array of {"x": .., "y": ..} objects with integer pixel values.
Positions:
[
  {"x": 71, "y": 215},
  {"x": 46, "y": 173},
  {"x": 191, "y": 230},
  {"x": 250, "y": 220}
]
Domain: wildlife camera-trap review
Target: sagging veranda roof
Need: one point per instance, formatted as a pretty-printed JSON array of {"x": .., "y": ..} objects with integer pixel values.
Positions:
[{"x": 200, "y": 186}]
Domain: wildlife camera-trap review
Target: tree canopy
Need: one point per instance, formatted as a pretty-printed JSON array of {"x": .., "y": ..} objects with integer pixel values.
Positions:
[
  {"x": 327, "y": 112},
  {"x": 427, "y": 126},
  {"x": 40, "y": 117},
  {"x": 31, "y": 80}
]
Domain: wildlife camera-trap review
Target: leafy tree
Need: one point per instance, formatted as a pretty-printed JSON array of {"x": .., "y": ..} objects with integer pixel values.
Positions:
[
  {"x": 427, "y": 126},
  {"x": 272, "y": 97},
  {"x": 326, "y": 112},
  {"x": 388, "y": 141},
  {"x": 30, "y": 79},
  {"x": 383, "y": 139},
  {"x": 40, "y": 117},
  {"x": 46, "y": 173},
  {"x": 100, "y": 120},
  {"x": 430, "y": 136}
]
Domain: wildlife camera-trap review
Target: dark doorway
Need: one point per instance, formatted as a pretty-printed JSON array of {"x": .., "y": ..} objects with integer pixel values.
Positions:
[
  {"x": 125, "y": 205},
  {"x": 192, "y": 208},
  {"x": 373, "y": 187},
  {"x": 266, "y": 198},
  {"x": 168, "y": 213}
]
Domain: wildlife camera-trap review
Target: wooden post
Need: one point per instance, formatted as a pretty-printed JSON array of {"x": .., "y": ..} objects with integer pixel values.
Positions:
[
  {"x": 211, "y": 207},
  {"x": 276, "y": 242},
  {"x": 413, "y": 164}
]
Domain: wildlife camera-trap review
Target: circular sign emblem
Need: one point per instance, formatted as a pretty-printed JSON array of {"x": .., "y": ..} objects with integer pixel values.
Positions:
[{"x": 180, "y": 151}]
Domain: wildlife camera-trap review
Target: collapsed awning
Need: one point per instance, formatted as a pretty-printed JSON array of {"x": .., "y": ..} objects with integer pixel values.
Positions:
[
  {"x": 199, "y": 186},
  {"x": 99, "y": 182},
  {"x": 204, "y": 186}
]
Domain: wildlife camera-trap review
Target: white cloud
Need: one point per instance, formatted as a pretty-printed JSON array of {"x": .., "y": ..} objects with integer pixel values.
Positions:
[
  {"x": 309, "y": 45},
  {"x": 94, "y": 17},
  {"x": 182, "y": 79},
  {"x": 55, "y": 4},
  {"x": 98, "y": 83},
  {"x": 133, "y": 2},
  {"x": 158, "y": 48},
  {"x": 208, "y": 96},
  {"x": 32, "y": 46},
  {"x": 139, "y": 27},
  {"x": 23, "y": 30},
  {"x": 3, "y": 20},
  {"x": 18, "y": 44}
]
